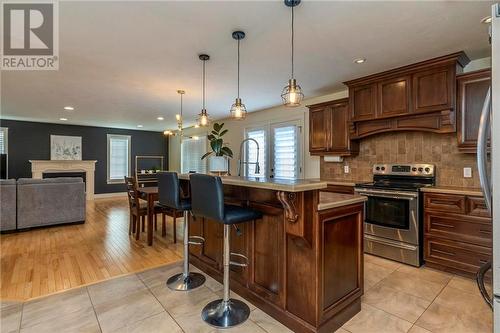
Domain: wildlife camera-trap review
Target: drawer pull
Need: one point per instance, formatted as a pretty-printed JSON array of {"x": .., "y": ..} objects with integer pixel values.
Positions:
[
  {"x": 444, "y": 252},
  {"x": 443, "y": 225},
  {"x": 482, "y": 231},
  {"x": 482, "y": 261}
]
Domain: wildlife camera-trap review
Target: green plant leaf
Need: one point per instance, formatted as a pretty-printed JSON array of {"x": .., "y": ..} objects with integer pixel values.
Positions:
[
  {"x": 215, "y": 133},
  {"x": 221, "y": 125},
  {"x": 210, "y": 137},
  {"x": 217, "y": 127},
  {"x": 223, "y": 132},
  {"x": 207, "y": 154},
  {"x": 227, "y": 151}
]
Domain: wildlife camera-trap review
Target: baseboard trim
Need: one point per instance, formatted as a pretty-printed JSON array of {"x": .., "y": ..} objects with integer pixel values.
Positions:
[{"x": 110, "y": 195}]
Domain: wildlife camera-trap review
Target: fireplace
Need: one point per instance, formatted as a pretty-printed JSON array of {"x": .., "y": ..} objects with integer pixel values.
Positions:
[{"x": 64, "y": 174}]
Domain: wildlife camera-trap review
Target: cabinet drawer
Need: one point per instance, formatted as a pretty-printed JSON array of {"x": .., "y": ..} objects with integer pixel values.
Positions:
[
  {"x": 339, "y": 189},
  {"x": 445, "y": 202},
  {"x": 456, "y": 227},
  {"x": 476, "y": 206},
  {"x": 456, "y": 255}
]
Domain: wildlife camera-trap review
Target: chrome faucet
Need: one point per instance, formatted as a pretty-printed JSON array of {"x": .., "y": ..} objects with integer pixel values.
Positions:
[{"x": 242, "y": 161}]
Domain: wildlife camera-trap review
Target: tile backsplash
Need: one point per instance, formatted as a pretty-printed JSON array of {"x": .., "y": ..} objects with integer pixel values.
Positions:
[{"x": 407, "y": 147}]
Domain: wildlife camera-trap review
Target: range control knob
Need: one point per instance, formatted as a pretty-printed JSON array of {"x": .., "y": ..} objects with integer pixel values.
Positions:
[
  {"x": 427, "y": 169},
  {"x": 420, "y": 169},
  {"x": 383, "y": 168},
  {"x": 413, "y": 169},
  {"x": 377, "y": 168}
]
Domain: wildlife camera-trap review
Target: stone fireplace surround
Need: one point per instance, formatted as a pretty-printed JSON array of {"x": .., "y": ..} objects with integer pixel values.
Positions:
[{"x": 39, "y": 167}]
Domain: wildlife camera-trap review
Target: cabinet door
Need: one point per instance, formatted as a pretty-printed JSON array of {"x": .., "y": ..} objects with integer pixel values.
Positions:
[
  {"x": 339, "y": 130},
  {"x": 472, "y": 89},
  {"x": 394, "y": 97},
  {"x": 363, "y": 100},
  {"x": 434, "y": 89},
  {"x": 318, "y": 129}
]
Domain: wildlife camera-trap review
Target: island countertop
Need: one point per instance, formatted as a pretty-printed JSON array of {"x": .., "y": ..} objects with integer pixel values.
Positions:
[
  {"x": 277, "y": 184},
  {"x": 329, "y": 200}
]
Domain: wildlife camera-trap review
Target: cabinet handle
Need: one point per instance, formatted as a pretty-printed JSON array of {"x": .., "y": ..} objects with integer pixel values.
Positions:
[
  {"x": 482, "y": 261},
  {"x": 443, "y": 225},
  {"x": 444, "y": 252},
  {"x": 482, "y": 231}
]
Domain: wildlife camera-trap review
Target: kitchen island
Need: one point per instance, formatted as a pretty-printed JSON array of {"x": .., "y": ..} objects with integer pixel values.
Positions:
[{"x": 305, "y": 256}]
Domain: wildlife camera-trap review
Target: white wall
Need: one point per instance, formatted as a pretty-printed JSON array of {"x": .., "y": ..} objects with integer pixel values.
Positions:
[{"x": 278, "y": 114}]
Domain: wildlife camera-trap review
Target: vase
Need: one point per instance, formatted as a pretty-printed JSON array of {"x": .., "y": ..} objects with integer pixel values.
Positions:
[{"x": 217, "y": 164}]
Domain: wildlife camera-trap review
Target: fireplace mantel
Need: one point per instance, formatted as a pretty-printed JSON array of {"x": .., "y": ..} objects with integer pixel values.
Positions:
[{"x": 38, "y": 167}]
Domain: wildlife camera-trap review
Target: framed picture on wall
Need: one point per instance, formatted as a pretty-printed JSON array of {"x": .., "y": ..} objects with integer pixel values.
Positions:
[{"x": 65, "y": 147}]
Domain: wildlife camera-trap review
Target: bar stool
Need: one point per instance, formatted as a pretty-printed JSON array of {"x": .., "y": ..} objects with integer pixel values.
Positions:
[
  {"x": 207, "y": 198},
  {"x": 169, "y": 197}
]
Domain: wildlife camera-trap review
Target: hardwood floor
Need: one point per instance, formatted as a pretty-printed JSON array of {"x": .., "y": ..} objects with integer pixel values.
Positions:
[{"x": 48, "y": 260}]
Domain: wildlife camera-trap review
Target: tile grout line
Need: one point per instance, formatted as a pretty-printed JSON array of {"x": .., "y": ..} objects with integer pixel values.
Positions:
[
  {"x": 171, "y": 316},
  {"x": 93, "y": 308}
]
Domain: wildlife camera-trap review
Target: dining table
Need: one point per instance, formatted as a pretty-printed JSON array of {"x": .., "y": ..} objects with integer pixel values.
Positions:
[{"x": 150, "y": 194}]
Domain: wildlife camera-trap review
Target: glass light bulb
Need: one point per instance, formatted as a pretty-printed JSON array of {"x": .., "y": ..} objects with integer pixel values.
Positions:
[
  {"x": 293, "y": 97},
  {"x": 203, "y": 120},
  {"x": 178, "y": 117},
  {"x": 237, "y": 112}
]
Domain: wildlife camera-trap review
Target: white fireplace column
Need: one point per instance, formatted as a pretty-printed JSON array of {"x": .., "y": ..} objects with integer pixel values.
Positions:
[{"x": 38, "y": 167}]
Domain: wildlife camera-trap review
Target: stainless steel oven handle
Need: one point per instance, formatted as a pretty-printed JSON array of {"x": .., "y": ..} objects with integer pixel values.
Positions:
[{"x": 398, "y": 195}]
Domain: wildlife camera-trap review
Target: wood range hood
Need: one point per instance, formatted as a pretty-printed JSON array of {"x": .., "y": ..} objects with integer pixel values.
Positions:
[{"x": 417, "y": 97}]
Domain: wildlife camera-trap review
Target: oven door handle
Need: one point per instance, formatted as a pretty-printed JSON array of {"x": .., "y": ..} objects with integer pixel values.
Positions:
[{"x": 387, "y": 195}]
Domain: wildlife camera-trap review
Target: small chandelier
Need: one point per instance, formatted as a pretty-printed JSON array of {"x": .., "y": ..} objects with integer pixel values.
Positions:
[
  {"x": 238, "y": 109},
  {"x": 292, "y": 93},
  {"x": 203, "y": 119},
  {"x": 179, "y": 119}
]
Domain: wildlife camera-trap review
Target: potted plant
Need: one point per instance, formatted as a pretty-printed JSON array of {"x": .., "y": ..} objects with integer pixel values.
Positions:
[{"x": 219, "y": 162}]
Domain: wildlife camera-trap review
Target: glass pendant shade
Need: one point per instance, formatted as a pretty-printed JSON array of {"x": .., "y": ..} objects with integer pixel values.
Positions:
[
  {"x": 203, "y": 120},
  {"x": 292, "y": 94},
  {"x": 238, "y": 110}
]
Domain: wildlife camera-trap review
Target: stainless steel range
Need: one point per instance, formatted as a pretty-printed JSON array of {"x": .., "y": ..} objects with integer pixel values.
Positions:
[{"x": 393, "y": 226}]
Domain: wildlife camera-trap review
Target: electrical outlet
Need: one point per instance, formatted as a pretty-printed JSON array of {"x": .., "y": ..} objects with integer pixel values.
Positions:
[
  {"x": 467, "y": 172},
  {"x": 346, "y": 169}
]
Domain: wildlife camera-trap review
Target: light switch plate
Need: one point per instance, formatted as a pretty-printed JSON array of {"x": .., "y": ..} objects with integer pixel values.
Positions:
[
  {"x": 346, "y": 169},
  {"x": 467, "y": 172}
]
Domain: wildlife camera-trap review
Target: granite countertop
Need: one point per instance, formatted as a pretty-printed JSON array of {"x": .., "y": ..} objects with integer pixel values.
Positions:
[
  {"x": 288, "y": 185},
  {"x": 472, "y": 191},
  {"x": 341, "y": 182},
  {"x": 329, "y": 200}
]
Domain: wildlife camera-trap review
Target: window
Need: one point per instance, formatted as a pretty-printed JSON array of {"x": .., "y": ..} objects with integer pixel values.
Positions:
[
  {"x": 280, "y": 153},
  {"x": 285, "y": 151},
  {"x": 258, "y": 134},
  {"x": 4, "y": 133},
  {"x": 118, "y": 158},
  {"x": 192, "y": 150}
]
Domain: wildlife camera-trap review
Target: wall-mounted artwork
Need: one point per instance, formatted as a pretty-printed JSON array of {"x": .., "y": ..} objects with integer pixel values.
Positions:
[{"x": 65, "y": 147}]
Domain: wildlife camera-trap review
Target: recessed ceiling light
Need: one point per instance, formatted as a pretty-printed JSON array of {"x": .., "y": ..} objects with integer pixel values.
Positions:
[
  {"x": 63, "y": 119},
  {"x": 69, "y": 108},
  {"x": 359, "y": 60},
  {"x": 160, "y": 118},
  {"x": 486, "y": 20},
  {"x": 140, "y": 126}
]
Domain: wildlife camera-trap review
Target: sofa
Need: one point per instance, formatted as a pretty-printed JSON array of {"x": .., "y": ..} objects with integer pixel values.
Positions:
[
  {"x": 44, "y": 202},
  {"x": 8, "y": 188}
]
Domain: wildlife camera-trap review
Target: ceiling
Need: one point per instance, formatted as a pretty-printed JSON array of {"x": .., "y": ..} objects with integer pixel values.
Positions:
[{"x": 121, "y": 62}]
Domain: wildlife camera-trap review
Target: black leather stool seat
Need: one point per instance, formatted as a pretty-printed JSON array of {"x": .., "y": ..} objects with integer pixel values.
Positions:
[{"x": 236, "y": 214}]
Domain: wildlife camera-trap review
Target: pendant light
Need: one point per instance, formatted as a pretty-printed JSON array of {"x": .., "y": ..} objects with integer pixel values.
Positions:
[
  {"x": 292, "y": 94},
  {"x": 238, "y": 109},
  {"x": 179, "y": 119},
  {"x": 203, "y": 119}
]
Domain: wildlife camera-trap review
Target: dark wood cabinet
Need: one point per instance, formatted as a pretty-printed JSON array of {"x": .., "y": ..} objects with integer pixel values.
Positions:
[
  {"x": 363, "y": 102},
  {"x": 345, "y": 189},
  {"x": 394, "y": 97},
  {"x": 457, "y": 233},
  {"x": 329, "y": 129},
  {"x": 420, "y": 96},
  {"x": 471, "y": 93}
]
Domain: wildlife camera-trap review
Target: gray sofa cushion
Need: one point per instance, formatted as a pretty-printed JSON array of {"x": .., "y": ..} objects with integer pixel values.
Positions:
[
  {"x": 58, "y": 180},
  {"x": 50, "y": 201},
  {"x": 7, "y": 204}
]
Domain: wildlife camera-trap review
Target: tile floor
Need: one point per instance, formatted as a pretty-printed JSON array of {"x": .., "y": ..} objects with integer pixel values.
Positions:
[{"x": 397, "y": 298}]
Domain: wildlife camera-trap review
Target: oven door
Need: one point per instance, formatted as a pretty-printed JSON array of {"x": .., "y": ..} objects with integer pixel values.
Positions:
[{"x": 391, "y": 215}]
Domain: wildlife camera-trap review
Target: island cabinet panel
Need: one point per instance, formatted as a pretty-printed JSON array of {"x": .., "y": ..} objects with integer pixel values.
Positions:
[
  {"x": 457, "y": 233},
  {"x": 472, "y": 88},
  {"x": 420, "y": 96},
  {"x": 211, "y": 251},
  {"x": 394, "y": 97}
]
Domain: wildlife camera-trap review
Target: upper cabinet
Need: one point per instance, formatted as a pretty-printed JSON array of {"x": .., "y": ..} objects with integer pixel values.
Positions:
[
  {"x": 472, "y": 88},
  {"x": 329, "y": 129},
  {"x": 416, "y": 97}
]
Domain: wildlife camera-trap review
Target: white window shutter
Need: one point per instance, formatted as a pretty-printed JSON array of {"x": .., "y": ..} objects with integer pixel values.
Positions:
[{"x": 192, "y": 149}]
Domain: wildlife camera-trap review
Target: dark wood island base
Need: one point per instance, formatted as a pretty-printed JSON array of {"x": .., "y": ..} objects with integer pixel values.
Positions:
[{"x": 305, "y": 256}]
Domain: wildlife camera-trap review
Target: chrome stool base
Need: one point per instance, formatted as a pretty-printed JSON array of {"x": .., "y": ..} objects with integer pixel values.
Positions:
[
  {"x": 180, "y": 283},
  {"x": 222, "y": 314}
]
